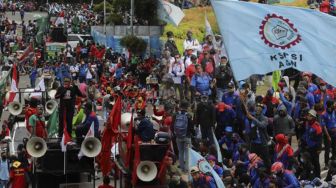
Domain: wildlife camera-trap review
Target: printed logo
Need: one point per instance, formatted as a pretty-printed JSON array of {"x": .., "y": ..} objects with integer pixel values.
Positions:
[
  {"x": 278, "y": 32},
  {"x": 204, "y": 166}
]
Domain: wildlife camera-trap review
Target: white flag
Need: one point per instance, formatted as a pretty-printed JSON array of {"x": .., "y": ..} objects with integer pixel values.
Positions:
[
  {"x": 40, "y": 88},
  {"x": 170, "y": 13},
  {"x": 263, "y": 38}
]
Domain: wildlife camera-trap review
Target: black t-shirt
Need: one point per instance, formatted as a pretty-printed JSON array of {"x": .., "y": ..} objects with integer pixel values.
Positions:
[{"x": 67, "y": 96}]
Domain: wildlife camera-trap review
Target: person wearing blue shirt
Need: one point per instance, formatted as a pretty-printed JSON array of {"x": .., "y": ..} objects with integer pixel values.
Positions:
[
  {"x": 83, "y": 129},
  {"x": 201, "y": 82},
  {"x": 263, "y": 179},
  {"x": 218, "y": 169},
  {"x": 225, "y": 117},
  {"x": 4, "y": 171},
  {"x": 200, "y": 180},
  {"x": 144, "y": 127},
  {"x": 33, "y": 76},
  {"x": 83, "y": 68},
  {"x": 284, "y": 178},
  {"x": 328, "y": 122}
]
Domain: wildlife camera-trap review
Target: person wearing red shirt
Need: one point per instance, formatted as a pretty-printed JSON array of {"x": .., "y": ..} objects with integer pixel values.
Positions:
[
  {"x": 5, "y": 133},
  {"x": 325, "y": 6},
  {"x": 189, "y": 73},
  {"x": 31, "y": 110},
  {"x": 106, "y": 183},
  {"x": 17, "y": 176}
]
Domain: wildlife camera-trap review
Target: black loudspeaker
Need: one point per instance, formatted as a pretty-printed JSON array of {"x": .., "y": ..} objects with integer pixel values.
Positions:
[
  {"x": 153, "y": 152},
  {"x": 51, "y": 180},
  {"x": 53, "y": 160},
  {"x": 57, "y": 35}
]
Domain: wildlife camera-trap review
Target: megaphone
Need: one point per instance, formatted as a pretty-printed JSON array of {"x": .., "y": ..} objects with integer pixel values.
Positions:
[
  {"x": 50, "y": 106},
  {"x": 91, "y": 147},
  {"x": 146, "y": 171},
  {"x": 36, "y": 147},
  {"x": 52, "y": 93},
  {"x": 15, "y": 108}
]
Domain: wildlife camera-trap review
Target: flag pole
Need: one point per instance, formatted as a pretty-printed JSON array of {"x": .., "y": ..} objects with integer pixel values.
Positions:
[{"x": 64, "y": 161}]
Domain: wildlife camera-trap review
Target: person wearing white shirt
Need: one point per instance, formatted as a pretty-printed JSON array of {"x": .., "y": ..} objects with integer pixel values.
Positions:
[
  {"x": 74, "y": 69},
  {"x": 176, "y": 71},
  {"x": 191, "y": 43}
]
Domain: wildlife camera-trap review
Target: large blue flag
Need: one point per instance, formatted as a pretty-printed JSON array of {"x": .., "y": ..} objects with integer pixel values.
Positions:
[
  {"x": 263, "y": 38},
  {"x": 197, "y": 160}
]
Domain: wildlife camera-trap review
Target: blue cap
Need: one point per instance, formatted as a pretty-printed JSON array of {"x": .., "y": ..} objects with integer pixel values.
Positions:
[{"x": 228, "y": 129}]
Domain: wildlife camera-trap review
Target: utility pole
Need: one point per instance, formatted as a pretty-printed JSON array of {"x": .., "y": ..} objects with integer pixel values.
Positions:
[
  {"x": 105, "y": 17},
  {"x": 132, "y": 16}
]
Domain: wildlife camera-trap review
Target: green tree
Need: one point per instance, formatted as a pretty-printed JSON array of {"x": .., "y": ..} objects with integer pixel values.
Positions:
[
  {"x": 134, "y": 44},
  {"x": 145, "y": 11}
]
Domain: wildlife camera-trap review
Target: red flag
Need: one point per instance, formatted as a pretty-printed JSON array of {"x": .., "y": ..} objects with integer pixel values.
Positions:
[
  {"x": 163, "y": 168},
  {"x": 27, "y": 52},
  {"x": 66, "y": 137},
  {"x": 14, "y": 85},
  {"x": 136, "y": 159},
  {"x": 129, "y": 142},
  {"x": 110, "y": 131}
]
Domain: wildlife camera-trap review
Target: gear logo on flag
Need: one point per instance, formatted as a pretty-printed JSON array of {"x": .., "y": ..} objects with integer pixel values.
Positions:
[
  {"x": 204, "y": 166},
  {"x": 278, "y": 32}
]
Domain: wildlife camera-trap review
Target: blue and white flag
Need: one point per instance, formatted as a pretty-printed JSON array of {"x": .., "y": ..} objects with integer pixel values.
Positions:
[
  {"x": 219, "y": 153},
  {"x": 263, "y": 38},
  {"x": 170, "y": 13},
  {"x": 197, "y": 160}
]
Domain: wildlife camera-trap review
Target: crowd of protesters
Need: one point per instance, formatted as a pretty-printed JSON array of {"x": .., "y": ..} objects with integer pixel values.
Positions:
[{"x": 272, "y": 138}]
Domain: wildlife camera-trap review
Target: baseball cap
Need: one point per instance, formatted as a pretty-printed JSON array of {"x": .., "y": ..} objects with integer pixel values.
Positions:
[
  {"x": 194, "y": 169},
  {"x": 312, "y": 112}
]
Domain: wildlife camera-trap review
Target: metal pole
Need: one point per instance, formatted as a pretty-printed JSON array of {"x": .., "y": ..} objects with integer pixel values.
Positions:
[
  {"x": 132, "y": 16},
  {"x": 105, "y": 17}
]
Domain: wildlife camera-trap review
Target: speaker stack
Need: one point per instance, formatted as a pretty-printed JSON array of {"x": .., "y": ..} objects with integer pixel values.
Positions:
[{"x": 54, "y": 167}]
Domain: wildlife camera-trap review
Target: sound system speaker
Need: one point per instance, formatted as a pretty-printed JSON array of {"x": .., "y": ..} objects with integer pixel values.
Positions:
[
  {"x": 53, "y": 160},
  {"x": 157, "y": 152},
  {"x": 54, "y": 180},
  {"x": 57, "y": 35}
]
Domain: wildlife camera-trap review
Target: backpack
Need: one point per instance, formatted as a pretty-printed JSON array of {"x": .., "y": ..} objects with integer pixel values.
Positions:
[{"x": 181, "y": 125}]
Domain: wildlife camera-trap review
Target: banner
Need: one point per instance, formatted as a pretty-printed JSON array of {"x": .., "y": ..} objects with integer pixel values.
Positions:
[
  {"x": 263, "y": 38},
  {"x": 53, "y": 47}
]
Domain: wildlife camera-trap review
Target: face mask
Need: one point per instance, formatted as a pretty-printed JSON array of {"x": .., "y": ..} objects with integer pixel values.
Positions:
[
  {"x": 171, "y": 39},
  {"x": 323, "y": 88}
]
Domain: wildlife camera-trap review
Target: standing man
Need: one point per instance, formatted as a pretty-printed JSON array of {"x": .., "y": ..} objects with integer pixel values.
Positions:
[
  {"x": 182, "y": 130},
  {"x": 67, "y": 95},
  {"x": 206, "y": 109},
  {"x": 22, "y": 12},
  {"x": 329, "y": 126},
  {"x": 312, "y": 140},
  {"x": 37, "y": 122},
  {"x": 176, "y": 70},
  {"x": 170, "y": 45},
  {"x": 258, "y": 134},
  {"x": 91, "y": 117},
  {"x": 191, "y": 43},
  {"x": 4, "y": 173}
]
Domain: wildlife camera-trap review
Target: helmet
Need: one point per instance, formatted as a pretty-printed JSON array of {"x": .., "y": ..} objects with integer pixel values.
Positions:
[{"x": 277, "y": 167}]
